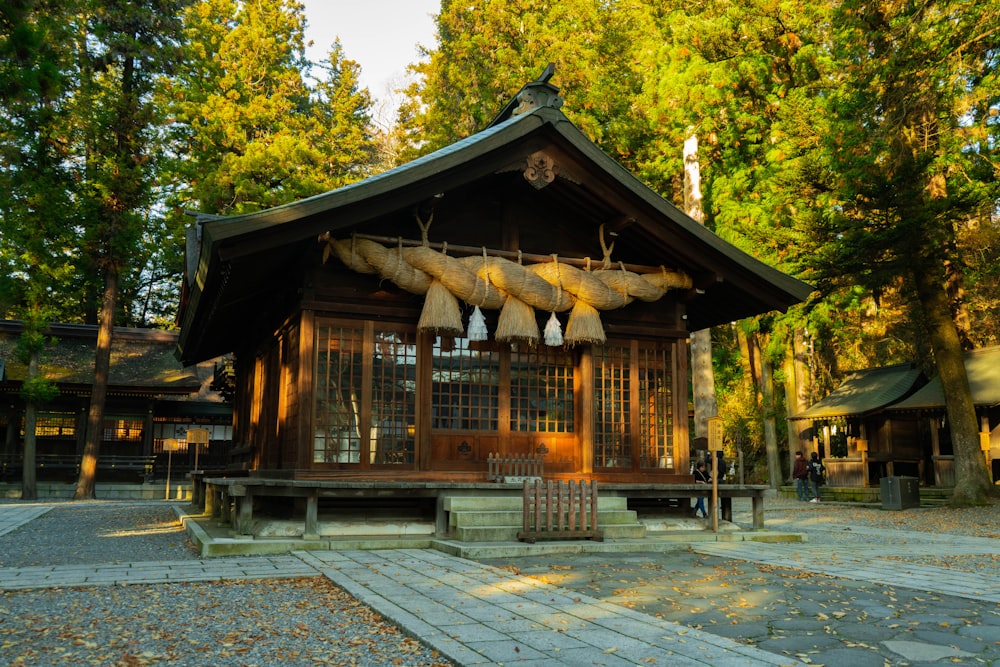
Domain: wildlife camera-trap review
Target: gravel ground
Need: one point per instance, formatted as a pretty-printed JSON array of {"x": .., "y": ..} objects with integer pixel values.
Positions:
[
  {"x": 292, "y": 623},
  {"x": 84, "y": 533}
]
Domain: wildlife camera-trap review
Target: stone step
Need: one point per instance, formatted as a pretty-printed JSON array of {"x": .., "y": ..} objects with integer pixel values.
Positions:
[
  {"x": 509, "y": 534},
  {"x": 514, "y": 502},
  {"x": 515, "y": 517}
]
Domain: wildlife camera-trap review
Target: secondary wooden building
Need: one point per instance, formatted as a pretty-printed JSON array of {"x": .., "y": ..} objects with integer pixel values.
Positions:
[
  {"x": 151, "y": 398},
  {"x": 516, "y": 293},
  {"x": 891, "y": 421}
]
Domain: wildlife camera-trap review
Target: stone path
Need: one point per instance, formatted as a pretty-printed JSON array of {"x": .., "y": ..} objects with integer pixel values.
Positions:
[
  {"x": 477, "y": 614},
  {"x": 876, "y": 564}
]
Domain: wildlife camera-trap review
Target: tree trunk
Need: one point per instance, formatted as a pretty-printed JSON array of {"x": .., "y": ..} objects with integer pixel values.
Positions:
[
  {"x": 702, "y": 373},
  {"x": 770, "y": 425},
  {"x": 85, "y": 485},
  {"x": 29, "y": 488},
  {"x": 972, "y": 480},
  {"x": 797, "y": 397}
]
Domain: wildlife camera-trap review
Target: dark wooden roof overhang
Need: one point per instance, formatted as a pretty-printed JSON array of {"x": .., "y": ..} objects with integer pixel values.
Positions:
[
  {"x": 249, "y": 263},
  {"x": 865, "y": 392}
]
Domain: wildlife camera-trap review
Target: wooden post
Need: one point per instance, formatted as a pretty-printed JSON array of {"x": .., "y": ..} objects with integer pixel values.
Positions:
[
  {"x": 169, "y": 445},
  {"x": 312, "y": 518},
  {"x": 715, "y": 446}
]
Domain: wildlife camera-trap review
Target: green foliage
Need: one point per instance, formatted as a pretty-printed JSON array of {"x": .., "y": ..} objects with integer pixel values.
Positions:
[
  {"x": 487, "y": 52},
  {"x": 37, "y": 231},
  {"x": 248, "y": 130},
  {"x": 38, "y": 390}
]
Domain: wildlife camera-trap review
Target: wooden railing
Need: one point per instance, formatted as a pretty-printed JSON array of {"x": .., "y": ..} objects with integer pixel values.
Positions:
[
  {"x": 67, "y": 466},
  {"x": 559, "y": 511},
  {"x": 514, "y": 467}
]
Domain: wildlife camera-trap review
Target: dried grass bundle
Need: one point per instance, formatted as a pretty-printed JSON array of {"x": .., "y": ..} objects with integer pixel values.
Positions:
[
  {"x": 517, "y": 323},
  {"x": 441, "y": 314},
  {"x": 584, "y": 326}
]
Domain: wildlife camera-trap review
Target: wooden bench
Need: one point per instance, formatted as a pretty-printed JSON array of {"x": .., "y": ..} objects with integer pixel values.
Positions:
[
  {"x": 687, "y": 491},
  {"x": 141, "y": 465},
  {"x": 559, "y": 511},
  {"x": 69, "y": 465},
  {"x": 57, "y": 463}
]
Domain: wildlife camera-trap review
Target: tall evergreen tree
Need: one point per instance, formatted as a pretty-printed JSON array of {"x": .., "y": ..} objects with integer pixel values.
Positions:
[
  {"x": 488, "y": 51},
  {"x": 249, "y": 129},
  {"x": 36, "y": 234},
  {"x": 123, "y": 47},
  {"x": 914, "y": 112}
]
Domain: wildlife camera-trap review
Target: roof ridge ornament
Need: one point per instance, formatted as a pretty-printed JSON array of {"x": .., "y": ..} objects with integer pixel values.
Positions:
[
  {"x": 539, "y": 93},
  {"x": 534, "y": 95}
]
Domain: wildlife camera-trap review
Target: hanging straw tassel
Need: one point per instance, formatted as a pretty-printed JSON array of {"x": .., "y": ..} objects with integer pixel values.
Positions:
[
  {"x": 477, "y": 323},
  {"x": 584, "y": 325},
  {"x": 477, "y": 326},
  {"x": 441, "y": 314},
  {"x": 517, "y": 323},
  {"x": 553, "y": 331}
]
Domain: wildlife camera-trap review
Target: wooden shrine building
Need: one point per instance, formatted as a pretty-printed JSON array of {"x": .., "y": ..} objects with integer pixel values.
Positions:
[
  {"x": 151, "y": 399},
  {"x": 891, "y": 421},
  {"x": 518, "y": 292}
]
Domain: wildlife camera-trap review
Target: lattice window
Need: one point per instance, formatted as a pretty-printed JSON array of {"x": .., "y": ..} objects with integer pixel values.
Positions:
[
  {"x": 123, "y": 429},
  {"x": 612, "y": 407},
  {"x": 656, "y": 408},
  {"x": 338, "y": 394},
  {"x": 54, "y": 425},
  {"x": 465, "y": 385},
  {"x": 394, "y": 373},
  {"x": 541, "y": 390}
]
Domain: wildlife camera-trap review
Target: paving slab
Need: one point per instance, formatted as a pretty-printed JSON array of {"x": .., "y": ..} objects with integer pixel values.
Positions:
[{"x": 516, "y": 618}]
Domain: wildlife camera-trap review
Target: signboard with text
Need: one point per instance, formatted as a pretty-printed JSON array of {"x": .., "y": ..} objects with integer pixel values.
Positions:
[{"x": 715, "y": 434}]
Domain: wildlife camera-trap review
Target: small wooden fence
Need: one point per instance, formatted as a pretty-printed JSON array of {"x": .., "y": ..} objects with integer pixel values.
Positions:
[
  {"x": 514, "y": 467},
  {"x": 559, "y": 511}
]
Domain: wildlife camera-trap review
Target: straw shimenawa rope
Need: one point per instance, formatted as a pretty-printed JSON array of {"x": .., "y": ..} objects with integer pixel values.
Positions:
[{"x": 498, "y": 283}]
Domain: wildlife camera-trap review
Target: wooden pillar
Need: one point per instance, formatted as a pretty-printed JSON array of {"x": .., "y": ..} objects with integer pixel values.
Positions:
[
  {"x": 422, "y": 418},
  {"x": 81, "y": 428},
  {"x": 11, "y": 439},
  {"x": 212, "y": 505},
  {"x": 147, "y": 431},
  {"x": 932, "y": 423},
  {"x": 312, "y": 518},
  {"x": 304, "y": 394},
  {"x": 682, "y": 437},
  {"x": 758, "y": 511},
  {"x": 584, "y": 389}
]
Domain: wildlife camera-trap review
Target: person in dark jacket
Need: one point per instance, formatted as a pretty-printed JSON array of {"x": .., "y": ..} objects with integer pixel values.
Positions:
[
  {"x": 816, "y": 469},
  {"x": 701, "y": 477},
  {"x": 800, "y": 473}
]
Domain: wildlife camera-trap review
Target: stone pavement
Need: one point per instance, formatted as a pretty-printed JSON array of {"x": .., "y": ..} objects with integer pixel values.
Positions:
[
  {"x": 477, "y": 614},
  {"x": 480, "y": 615},
  {"x": 876, "y": 564},
  {"x": 15, "y": 516}
]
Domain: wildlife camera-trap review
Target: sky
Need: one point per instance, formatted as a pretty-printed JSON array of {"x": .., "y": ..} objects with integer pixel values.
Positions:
[{"x": 380, "y": 35}]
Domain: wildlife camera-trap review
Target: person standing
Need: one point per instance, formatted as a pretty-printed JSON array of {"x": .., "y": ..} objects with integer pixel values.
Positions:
[
  {"x": 816, "y": 469},
  {"x": 701, "y": 477},
  {"x": 800, "y": 473}
]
